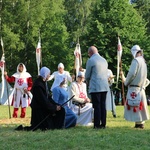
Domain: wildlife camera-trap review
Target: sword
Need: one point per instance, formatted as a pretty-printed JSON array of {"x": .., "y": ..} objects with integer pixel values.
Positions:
[
  {"x": 22, "y": 91},
  {"x": 67, "y": 101}
]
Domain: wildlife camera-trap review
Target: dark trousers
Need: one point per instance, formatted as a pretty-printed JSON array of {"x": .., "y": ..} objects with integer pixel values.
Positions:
[{"x": 99, "y": 100}]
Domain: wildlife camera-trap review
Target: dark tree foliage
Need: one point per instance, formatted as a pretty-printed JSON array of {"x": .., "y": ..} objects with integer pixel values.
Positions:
[
  {"x": 110, "y": 19},
  {"x": 61, "y": 23},
  {"x": 143, "y": 8}
]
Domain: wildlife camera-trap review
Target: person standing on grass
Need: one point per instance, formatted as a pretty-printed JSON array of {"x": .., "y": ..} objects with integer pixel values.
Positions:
[
  {"x": 96, "y": 77},
  {"x": 136, "y": 81},
  {"x": 22, "y": 87}
]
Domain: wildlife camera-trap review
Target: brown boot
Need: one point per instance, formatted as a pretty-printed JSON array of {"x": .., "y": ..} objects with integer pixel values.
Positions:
[
  {"x": 23, "y": 112},
  {"x": 15, "y": 113}
]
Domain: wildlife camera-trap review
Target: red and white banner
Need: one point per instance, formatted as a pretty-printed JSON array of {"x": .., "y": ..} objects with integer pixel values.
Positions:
[
  {"x": 119, "y": 55},
  {"x": 2, "y": 61},
  {"x": 78, "y": 58},
  {"x": 38, "y": 55}
]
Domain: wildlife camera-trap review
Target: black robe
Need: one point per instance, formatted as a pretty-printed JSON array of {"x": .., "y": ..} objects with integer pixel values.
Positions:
[{"x": 44, "y": 115}]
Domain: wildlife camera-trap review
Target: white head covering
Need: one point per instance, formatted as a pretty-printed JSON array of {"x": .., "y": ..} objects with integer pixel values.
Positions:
[
  {"x": 44, "y": 72},
  {"x": 135, "y": 49},
  {"x": 81, "y": 74},
  {"x": 24, "y": 68},
  {"x": 61, "y": 65},
  {"x": 23, "y": 74}
]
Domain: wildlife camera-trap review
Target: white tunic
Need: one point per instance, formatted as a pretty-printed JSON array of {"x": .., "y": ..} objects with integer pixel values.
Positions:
[
  {"x": 58, "y": 78},
  {"x": 86, "y": 113},
  {"x": 19, "y": 97},
  {"x": 137, "y": 76}
]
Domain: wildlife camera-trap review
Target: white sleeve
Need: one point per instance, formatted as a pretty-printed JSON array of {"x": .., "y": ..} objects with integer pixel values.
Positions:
[
  {"x": 146, "y": 83},
  {"x": 132, "y": 72},
  {"x": 51, "y": 77},
  {"x": 69, "y": 78}
]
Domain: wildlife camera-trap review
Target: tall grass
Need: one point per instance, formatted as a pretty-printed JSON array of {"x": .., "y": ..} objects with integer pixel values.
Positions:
[{"x": 119, "y": 135}]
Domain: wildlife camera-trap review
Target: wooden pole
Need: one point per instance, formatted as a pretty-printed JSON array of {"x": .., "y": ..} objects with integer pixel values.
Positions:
[
  {"x": 122, "y": 89},
  {"x": 8, "y": 99}
]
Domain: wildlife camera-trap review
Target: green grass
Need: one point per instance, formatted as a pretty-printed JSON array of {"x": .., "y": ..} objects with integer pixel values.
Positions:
[{"x": 119, "y": 135}]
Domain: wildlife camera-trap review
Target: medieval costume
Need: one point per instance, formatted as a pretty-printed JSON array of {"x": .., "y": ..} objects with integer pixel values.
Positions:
[
  {"x": 60, "y": 75},
  {"x": 84, "y": 112},
  {"x": 60, "y": 96},
  {"x": 136, "y": 81},
  {"x": 23, "y": 84},
  {"x": 45, "y": 113},
  {"x": 110, "y": 104}
]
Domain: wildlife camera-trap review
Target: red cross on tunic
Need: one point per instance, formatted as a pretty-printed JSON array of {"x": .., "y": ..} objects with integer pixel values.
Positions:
[
  {"x": 38, "y": 50},
  {"x": 119, "y": 47},
  {"x": 20, "y": 82},
  {"x": 1, "y": 64},
  {"x": 133, "y": 95},
  {"x": 77, "y": 54}
]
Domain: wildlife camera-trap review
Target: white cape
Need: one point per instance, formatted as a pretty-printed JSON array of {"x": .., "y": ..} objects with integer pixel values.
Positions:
[{"x": 7, "y": 95}]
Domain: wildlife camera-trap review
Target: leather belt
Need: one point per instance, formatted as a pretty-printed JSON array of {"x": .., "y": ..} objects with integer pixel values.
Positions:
[{"x": 134, "y": 85}]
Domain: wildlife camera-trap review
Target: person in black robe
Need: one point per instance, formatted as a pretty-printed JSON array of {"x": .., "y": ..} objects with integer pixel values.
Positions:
[{"x": 45, "y": 113}]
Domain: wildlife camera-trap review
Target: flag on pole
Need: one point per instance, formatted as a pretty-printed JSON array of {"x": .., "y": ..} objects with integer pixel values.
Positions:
[
  {"x": 78, "y": 58},
  {"x": 2, "y": 61},
  {"x": 119, "y": 54},
  {"x": 4, "y": 82},
  {"x": 38, "y": 55},
  {"x": 2, "y": 44}
]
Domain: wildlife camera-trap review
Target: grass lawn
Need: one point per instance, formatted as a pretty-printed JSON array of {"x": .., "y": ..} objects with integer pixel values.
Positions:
[{"x": 119, "y": 135}]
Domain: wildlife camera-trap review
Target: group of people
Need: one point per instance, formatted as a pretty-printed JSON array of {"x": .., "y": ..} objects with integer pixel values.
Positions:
[
  {"x": 135, "y": 108},
  {"x": 56, "y": 112}
]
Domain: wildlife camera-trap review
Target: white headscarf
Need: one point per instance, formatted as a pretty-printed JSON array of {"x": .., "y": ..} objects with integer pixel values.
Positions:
[
  {"x": 135, "y": 49},
  {"x": 44, "y": 72},
  {"x": 81, "y": 74},
  {"x": 23, "y": 74},
  {"x": 61, "y": 65},
  {"x": 24, "y": 68}
]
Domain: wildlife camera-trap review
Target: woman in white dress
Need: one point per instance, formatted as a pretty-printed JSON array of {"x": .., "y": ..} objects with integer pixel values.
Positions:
[
  {"x": 59, "y": 76},
  {"x": 85, "y": 113}
]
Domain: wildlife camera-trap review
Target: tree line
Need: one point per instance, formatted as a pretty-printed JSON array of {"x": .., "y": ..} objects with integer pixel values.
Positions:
[{"x": 62, "y": 23}]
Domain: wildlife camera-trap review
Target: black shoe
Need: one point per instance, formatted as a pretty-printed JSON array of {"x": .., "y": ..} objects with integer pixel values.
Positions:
[
  {"x": 99, "y": 127},
  {"x": 136, "y": 126},
  {"x": 114, "y": 116},
  {"x": 96, "y": 127},
  {"x": 19, "y": 128},
  {"x": 102, "y": 126},
  {"x": 141, "y": 126}
]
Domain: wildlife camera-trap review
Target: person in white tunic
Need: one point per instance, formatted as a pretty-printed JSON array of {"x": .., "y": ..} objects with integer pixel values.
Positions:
[
  {"x": 136, "y": 81},
  {"x": 110, "y": 104},
  {"x": 85, "y": 112},
  {"x": 23, "y": 84},
  {"x": 60, "y": 75}
]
